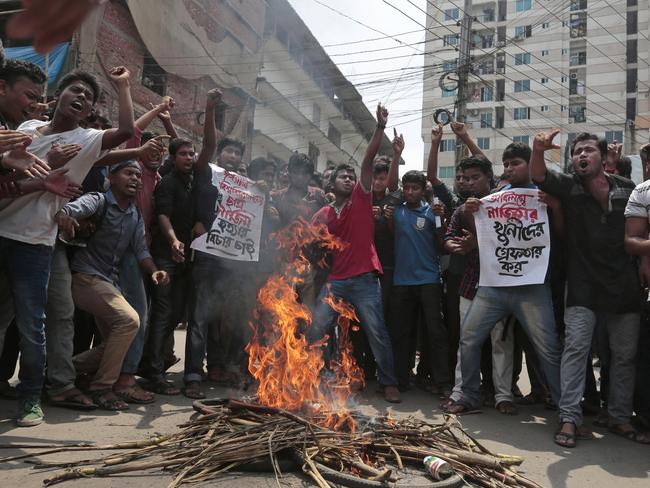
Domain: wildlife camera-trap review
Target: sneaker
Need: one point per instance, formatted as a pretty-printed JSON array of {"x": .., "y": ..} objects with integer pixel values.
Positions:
[{"x": 30, "y": 412}]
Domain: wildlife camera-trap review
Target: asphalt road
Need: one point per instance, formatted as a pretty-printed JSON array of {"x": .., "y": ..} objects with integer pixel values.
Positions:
[{"x": 607, "y": 461}]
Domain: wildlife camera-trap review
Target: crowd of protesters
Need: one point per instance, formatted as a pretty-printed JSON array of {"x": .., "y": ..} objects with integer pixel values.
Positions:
[{"x": 96, "y": 269}]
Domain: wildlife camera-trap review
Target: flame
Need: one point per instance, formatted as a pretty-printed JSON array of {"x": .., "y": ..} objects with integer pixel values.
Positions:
[{"x": 280, "y": 358}]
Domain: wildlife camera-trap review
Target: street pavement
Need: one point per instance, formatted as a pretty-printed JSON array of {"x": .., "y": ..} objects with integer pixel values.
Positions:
[{"x": 606, "y": 462}]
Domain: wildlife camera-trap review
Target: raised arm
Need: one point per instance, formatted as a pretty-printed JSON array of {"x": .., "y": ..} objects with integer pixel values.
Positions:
[
  {"x": 460, "y": 130},
  {"x": 373, "y": 147},
  {"x": 209, "y": 130},
  {"x": 393, "y": 172},
  {"x": 147, "y": 118},
  {"x": 542, "y": 143},
  {"x": 152, "y": 147},
  {"x": 166, "y": 120},
  {"x": 126, "y": 127},
  {"x": 432, "y": 162}
]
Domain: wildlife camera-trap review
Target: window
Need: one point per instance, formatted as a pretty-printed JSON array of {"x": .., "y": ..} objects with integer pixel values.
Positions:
[
  {"x": 614, "y": 135},
  {"x": 544, "y": 52},
  {"x": 632, "y": 54},
  {"x": 449, "y": 65},
  {"x": 448, "y": 172},
  {"x": 522, "y": 86},
  {"x": 522, "y": 58},
  {"x": 577, "y": 112},
  {"x": 544, "y": 81},
  {"x": 631, "y": 81},
  {"x": 523, "y": 31},
  {"x": 630, "y": 108},
  {"x": 483, "y": 142},
  {"x": 487, "y": 94},
  {"x": 486, "y": 120},
  {"x": 447, "y": 145},
  {"x": 220, "y": 117},
  {"x": 578, "y": 58},
  {"x": 524, "y": 139},
  {"x": 452, "y": 93},
  {"x": 632, "y": 22},
  {"x": 313, "y": 153},
  {"x": 546, "y": 25},
  {"x": 315, "y": 114},
  {"x": 576, "y": 86},
  {"x": 562, "y": 108},
  {"x": 523, "y": 5},
  {"x": 578, "y": 5},
  {"x": 522, "y": 113},
  {"x": 450, "y": 40},
  {"x": 579, "y": 24},
  {"x": 631, "y": 3},
  {"x": 563, "y": 79},
  {"x": 545, "y": 108},
  {"x": 565, "y": 51},
  {"x": 334, "y": 135},
  {"x": 452, "y": 14},
  {"x": 153, "y": 76}
]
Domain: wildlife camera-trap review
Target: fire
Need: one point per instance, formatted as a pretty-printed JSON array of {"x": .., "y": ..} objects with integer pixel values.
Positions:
[{"x": 280, "y": 358}]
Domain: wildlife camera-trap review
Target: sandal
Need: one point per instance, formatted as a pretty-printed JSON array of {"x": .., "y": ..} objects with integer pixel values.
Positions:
[
  {"x": 506, "y": 407},
  {"x": 631, "y": 434},
  {"x": 193, "y": 391},
  {"x": 565, "y": 439},
  {"x": 134, "y": 394},
  {"x": 74, "y": 399},
  {"x": 162, "y": 387},
  {"x": 458, "y": 408},
  {"x": 107, "y": 400}
]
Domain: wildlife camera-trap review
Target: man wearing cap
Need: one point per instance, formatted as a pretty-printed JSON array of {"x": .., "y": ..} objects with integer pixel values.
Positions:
[{"x": 95, "y": 280}]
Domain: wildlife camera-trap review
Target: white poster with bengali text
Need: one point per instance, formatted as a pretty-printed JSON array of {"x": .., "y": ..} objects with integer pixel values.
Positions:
[
  {"x": 514, "y": 242},
  {"x": 237, "y": 228}
]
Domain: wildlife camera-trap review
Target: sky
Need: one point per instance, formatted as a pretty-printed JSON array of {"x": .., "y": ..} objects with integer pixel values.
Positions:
[{"x": 399, "y": 87}]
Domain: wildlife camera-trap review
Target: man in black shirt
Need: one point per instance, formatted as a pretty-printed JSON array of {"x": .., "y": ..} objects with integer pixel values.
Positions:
[
  {"x": 602, "y": 279},
  {"x": 174, "y": 201}
]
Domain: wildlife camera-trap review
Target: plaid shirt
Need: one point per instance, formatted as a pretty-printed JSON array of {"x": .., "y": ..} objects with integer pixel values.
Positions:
[{"x": 469, "y": 281}]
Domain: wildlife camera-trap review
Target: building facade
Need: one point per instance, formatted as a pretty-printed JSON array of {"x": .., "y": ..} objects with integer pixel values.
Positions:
[
  {"x": 282, "y": 92},
  {"x": 578, "y": 65}
]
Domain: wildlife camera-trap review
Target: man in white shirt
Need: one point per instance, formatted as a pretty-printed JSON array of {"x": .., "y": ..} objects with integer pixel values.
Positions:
[{"x": 27, "y": 228}]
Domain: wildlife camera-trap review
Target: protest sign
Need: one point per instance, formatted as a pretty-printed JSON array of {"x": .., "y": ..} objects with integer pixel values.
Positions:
[
  {"x": 513, "y": 238},
  {"x": 236, "y": 231}
]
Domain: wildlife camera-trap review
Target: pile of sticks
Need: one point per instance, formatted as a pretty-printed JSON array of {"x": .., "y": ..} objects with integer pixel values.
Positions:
[{"x": 233, "y": 433}]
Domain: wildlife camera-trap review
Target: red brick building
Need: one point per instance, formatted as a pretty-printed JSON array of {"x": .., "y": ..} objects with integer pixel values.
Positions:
[{"x": 202, "y": 44}]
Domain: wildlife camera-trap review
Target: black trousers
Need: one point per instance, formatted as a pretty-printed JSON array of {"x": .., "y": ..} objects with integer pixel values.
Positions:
[{"x": 405, "y": 302}]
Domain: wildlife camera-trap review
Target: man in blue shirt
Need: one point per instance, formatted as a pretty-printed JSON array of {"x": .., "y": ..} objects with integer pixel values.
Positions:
[
  {"x": 416, "y": 284},
  {"x": 95, "y": 280}
]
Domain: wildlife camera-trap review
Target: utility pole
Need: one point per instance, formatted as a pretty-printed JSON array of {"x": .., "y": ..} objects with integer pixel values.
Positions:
[{"x": 464, "y": 66}]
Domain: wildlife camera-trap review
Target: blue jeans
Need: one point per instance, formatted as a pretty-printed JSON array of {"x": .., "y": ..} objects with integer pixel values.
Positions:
[
  {"x": 532, "y": 307},
  {"x": 132, "y": 287},
  {"x": 27, "y": 267},
  {"x": 364, "y": 293}
]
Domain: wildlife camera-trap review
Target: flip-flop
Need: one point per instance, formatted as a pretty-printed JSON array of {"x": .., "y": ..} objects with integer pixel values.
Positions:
[
  {"x": 73, "y": 402},
  {"x": 462, "y": 409},
  {"x": 632, "y": 435},
  {"x": 193, "y": 391},
  {"x": 564, "y": 439},
  {"x": 162, "y": 388},
  {"x": 128, "y": 396}
]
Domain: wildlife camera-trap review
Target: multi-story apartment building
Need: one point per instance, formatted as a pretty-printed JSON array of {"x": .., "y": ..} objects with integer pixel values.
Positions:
[{"x": 577, "y": 65}]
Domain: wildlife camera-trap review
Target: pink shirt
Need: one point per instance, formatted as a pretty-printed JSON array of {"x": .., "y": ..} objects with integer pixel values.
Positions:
[{"x": 355, "y": 226}]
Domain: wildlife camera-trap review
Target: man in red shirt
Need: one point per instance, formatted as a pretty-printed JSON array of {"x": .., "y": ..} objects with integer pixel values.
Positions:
[{"x": 354, "y": 276}]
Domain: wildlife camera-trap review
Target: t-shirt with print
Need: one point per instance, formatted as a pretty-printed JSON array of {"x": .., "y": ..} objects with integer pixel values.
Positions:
[
  {"x": 354, "y": 225},
  {"x": 416, "y": 256},
  {"x": 30, "y": 218}
]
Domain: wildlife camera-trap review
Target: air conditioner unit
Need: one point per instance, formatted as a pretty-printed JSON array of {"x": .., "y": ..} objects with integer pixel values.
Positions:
[
  {"x": 501, "y": 43},
  {"x": 473, "y": 112},
  {"x": 574, "y": 76}
]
